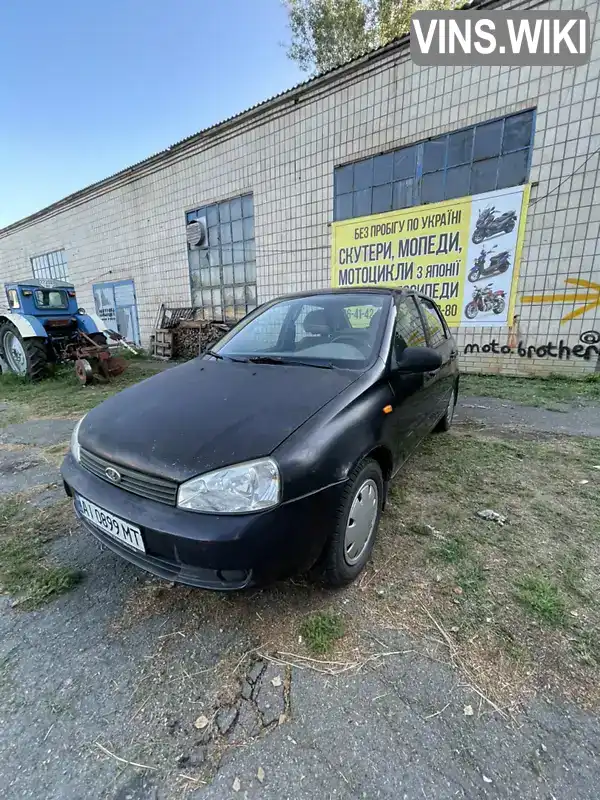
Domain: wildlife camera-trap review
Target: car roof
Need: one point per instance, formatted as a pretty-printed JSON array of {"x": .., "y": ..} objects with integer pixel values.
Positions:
[{"x": 378, "y": 290}]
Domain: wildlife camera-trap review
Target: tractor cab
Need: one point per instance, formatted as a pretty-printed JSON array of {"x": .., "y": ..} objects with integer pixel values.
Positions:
[{"x": 54, "y": 303}]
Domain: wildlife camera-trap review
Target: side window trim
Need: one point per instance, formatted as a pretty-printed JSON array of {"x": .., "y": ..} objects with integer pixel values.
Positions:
[
  {"x": 420, "y": 297},
  {"x": 408, "y": 298},
  {"x": 417, "y": 299}
]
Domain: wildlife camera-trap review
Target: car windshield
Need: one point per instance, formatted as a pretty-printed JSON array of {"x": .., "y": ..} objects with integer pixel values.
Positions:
[
  {"x": 339, "y": 330},
  {"x": 50, "y": 298}
]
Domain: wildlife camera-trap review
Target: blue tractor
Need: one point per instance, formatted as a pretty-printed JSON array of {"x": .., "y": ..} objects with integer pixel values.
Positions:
[{"x": 43, "y": 325}]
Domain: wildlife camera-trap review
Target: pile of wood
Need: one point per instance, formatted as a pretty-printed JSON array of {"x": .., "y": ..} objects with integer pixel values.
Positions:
[{"x": 191, "y": 337}]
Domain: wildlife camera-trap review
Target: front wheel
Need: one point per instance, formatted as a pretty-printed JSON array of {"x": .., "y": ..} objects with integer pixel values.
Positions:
[
  {"x": 350, "y": 546},
  {"x": 446, "y": 421},
  {"x": 474, "y": 275},
  {"x": 27, "y": 358},
  {"x": 471, "y": 310},
  {"x": 499, "y": 305},
  {"x": 477, "y": 237}
]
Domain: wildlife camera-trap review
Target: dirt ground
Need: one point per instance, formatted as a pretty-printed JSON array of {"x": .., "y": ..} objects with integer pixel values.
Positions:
[{"x": 464, "y": 663}]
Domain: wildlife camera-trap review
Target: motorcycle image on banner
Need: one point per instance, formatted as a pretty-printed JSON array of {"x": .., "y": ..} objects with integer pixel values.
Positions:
[
  {"x": 488, "y": 224},
  {"x": 486, "y": 300},
  {"x": 499, "y": 263},
  {"x": 499, "y": 214}
]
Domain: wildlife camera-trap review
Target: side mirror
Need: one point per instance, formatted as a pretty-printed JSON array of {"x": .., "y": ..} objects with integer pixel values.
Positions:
[{"x": 418, "y": 360}]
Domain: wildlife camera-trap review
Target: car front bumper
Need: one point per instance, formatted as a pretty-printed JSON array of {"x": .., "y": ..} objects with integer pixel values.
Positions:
[{"x": 212, "y": 551}]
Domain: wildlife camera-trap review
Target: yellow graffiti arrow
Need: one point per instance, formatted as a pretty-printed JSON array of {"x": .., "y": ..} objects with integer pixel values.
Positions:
[{"x": 590, "y": 298}]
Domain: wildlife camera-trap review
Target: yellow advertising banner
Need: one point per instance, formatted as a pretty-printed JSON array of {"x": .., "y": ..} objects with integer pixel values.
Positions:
[{"x": 462, "y": 253}]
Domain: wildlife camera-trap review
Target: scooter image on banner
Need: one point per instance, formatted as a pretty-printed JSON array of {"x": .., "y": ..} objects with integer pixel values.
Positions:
[
  {"x": 485, "y": 299},
  {"x": 489, "y": 225},
  {"x": 498, "y": 264}
]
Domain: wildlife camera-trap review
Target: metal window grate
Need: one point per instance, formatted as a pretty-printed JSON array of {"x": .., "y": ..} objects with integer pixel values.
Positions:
[
  {"x": 484, "y": 157},
  {"x": 50, "y": 266},
  {"x": 223, "y": 266}
]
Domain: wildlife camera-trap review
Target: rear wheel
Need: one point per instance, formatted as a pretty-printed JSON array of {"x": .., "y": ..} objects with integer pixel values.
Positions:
[
  {"x": 499, "y": 305},
  {"x": 350, "y": 546},
  {"x": 23, "y": 357}
]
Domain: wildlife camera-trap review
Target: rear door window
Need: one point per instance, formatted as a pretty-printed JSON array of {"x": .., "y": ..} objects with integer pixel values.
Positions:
[
  {"x": 409, "y": 327},
  {"x": 436, "y": 326}
]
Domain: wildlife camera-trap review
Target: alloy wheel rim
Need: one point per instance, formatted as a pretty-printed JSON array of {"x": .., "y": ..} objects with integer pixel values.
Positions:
[
  {"x": 361, "y": 521},
  {"x": 14, "y": 352}
]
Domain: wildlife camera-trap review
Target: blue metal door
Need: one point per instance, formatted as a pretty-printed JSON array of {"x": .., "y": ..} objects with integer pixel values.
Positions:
[{"x": 116, "y": 305}]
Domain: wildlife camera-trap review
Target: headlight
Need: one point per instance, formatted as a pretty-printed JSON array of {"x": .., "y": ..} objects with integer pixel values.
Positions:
[
  {"x": 233, "y": 490},
  {"x": 75, "y": 449}
]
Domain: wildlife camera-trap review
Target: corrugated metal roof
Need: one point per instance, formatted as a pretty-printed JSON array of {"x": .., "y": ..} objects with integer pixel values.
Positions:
[{"x": 181, "y": 145}]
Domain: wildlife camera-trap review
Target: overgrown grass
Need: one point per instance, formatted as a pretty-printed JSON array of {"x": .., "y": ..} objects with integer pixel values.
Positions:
[
  {"x": 521, "y": 599},
  {"x": 320, "y": 631},
  {"x": 25, "y": 571},
  {"x": 543, "y": 598},
  {"x": 61, "y": 394},
  {"x": 542, "y": 392},
  {"x": 451, "y": 551}
]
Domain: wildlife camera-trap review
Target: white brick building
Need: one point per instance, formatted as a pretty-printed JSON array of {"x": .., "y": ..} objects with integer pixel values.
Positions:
[{"x": 276, "y": 164}]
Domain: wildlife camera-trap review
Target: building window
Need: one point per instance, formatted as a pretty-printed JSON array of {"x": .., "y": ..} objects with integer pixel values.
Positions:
[
  {"x": 484, "y": 157},
  {"x": 50, "y": 266},
  {"x": 223, "y": 263}
]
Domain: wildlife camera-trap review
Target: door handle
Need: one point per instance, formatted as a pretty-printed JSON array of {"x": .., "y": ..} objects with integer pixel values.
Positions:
[{"x": 453, "y": 354}]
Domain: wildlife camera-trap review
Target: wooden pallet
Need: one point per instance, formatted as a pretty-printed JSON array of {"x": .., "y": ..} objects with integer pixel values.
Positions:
[{"x": 162, "y": 345}]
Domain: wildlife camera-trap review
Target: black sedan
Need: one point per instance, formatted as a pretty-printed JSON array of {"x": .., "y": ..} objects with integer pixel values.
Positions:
[{"x": 272, "y": 452}]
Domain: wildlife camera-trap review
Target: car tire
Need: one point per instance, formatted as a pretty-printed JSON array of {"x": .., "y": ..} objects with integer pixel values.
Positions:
[
  {"x": 446, "y": 421},
  {"x": 363, "y": 495}
]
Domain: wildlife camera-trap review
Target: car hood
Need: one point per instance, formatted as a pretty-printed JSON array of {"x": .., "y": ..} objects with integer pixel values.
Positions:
[{"x": 204, "y": 414}]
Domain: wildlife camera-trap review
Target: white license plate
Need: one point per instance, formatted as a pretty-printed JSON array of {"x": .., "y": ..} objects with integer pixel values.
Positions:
[{"x": 113, "y": 526}]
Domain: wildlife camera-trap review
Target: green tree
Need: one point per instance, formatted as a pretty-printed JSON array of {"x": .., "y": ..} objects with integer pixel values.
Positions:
[{"x": 326, "y": 33}]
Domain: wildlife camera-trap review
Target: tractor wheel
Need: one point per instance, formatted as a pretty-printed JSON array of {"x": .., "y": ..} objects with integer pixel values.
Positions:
[
  {"x": 23, "y": 357},
  {"x": 84, "y": 371}
]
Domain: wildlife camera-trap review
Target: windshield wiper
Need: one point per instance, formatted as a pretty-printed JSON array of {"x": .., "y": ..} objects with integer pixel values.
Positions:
[
  {"x": 223, "y": 358},
  {"x": 286, "y": 362}
]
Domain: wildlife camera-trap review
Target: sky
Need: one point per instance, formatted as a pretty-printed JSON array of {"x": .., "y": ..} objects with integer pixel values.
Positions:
[{"x": 89, "y": 88}]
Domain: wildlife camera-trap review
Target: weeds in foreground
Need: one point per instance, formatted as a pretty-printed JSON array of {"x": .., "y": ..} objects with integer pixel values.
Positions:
[
  {"x": 544, "y": 392},
  {"x": 25, "y": 571},
  {"x": 542, "y": 597},
  {"x": 450, "y": 551},
  {"x": 320, "y": 631}
]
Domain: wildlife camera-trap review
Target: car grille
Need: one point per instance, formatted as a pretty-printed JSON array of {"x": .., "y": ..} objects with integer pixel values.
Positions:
[{"x": 160, "y": 489}]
